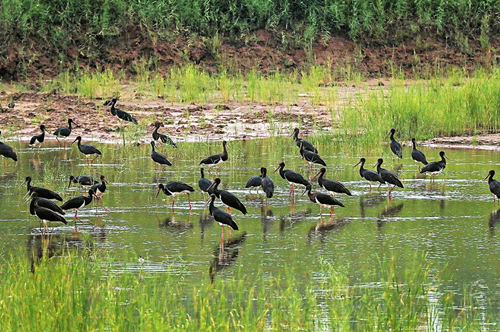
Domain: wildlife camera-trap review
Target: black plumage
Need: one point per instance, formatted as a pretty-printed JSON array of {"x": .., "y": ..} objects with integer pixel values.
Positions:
[
  {"x": 417, "y": 155},
  {"x": 267, "y": 183},
  {"x": 161, "y": 137},
  {"x": 216, "y": 158},
  {"x": 99, "y": 188},
  {"x": 38, "y": 138},
  {"x": 298, "y": 141},
  {"x": 311, "y": 157},
  {"x": 122, "y": 115},
  {"x": 254, "y": 182},
  {"x": 222, "y": 217},
  {"x": 204, "y": 183},
  {"x": 330, "y": 185},
  {"x": 175, "y": 188},
  {"x": 45, "y": 214},
  {"x": 43, "y": 202},
  {"x": 65, "y": 131},
  {"x": 87, "y": 149},
  {"x": 78, "y": 203},
  {"x": 369, "y": 175},
  {"x": 493, "y": 184},
  {"x": 158, "y": 157},
  {"x": 7, "y": 151},
  {"x": 227, "y": 198},
  {"x": 395, "y": 146},
  {"x": 41, "y": 192},
  {"x": 293, "y": 178},
  {"x": 323, "y": 200},
  {"x": 83, "y": 180},
  {"x": 436, "y": 167},
  {"x": 387, "y": 176}
]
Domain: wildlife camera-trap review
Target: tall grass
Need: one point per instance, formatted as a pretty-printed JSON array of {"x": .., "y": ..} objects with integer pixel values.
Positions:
[{"x": 91, "y": 291}]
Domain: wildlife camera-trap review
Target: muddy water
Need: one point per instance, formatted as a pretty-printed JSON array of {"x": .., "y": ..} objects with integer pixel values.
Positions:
[{"x": 452, "y": 219}]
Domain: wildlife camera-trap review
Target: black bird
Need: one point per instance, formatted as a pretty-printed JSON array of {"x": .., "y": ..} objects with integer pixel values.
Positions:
[
  {"x": 99, "y": 188},
  {"x": 292, "y": 177},
  {"x": 175, "y": 188},
  {"x": 388, "y": 177},
  {"x": 307, "y": 145},
  {"x": 42, "y": 192},
  {"x": 369, "y": 175},
  {"x": 227, "y": 198},
  {"x": 83, "y": 180},
  {"x": 7, "y": 151},
  {"x": 395, "y": 146},
  {"x": 418, "y": 155},
  {"x": 78, "y": 203},
  {"x": 254, "y": 182},
  {"x": 311, "y": 157},
  {"x": 323, "y": 200},
  {"x": 162, "y": 138},
  {"x": 267, "y": 183},
  {"x": 216, "y": 159},
  {"x": 330, "y": 185},
  {"x": 43, "y": 202},
  {"x": 204, "y": 183},
  {"x": 87, "y": 150},
  {"x": 494, "y": 185},
  {"x": 40, "y": 137},
  {"x": 158, "y": 157},
  {"x": 45, "y": 214},
  {"x": 122, "y": 115},
  {"x": 222, "y": 217},
  {"x": 64, "y": 132},
  {"x": 435, "y": 167}
]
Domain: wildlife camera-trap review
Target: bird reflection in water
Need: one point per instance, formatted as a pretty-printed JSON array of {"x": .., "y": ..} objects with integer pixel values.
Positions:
[
  {"x": 225, "y": 255},
  {"x": 390, "y": 211},
  {"x": 324, "y": 226},
  {"x": 369, "y": 200},
  {"x": 174, "y": 222},
  {"x": 293, "y": 218},
  {"x": 266, "y": 219},
  {"x": 206, "y": 221},
  {"x": 494, "y": 219}
]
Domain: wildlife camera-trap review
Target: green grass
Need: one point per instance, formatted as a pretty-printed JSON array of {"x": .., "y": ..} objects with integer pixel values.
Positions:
[{"x": 93, "y": 292}]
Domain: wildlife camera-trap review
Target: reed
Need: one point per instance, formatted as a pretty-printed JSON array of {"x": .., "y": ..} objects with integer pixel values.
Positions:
[{"x": 93, "y": 291}]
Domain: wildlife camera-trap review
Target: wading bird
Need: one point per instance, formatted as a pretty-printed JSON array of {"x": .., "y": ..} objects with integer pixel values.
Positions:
[
  {"x": 323, "y": 200},
  {"x": 436, "y": 167},
  {"x": 307, "y": 145},
  {"x": 78, "y": 203},
  {"x": 395, "y": 146},
  {"x": 7, "y": 151},
  {"x": 42, "y": 192},
  {"x": 311, "y": 157},
  {"x": 122, "y": 115},
  {"x": 46, "y": 210},
  {"x": 388, "y": 177},
  {"x": 330, "y": 185},
  {"x": 87, "y": 150},
  {"x": 267, "y": 183},
  {"x": 369, "y": 175},
  {"x": 158, "y": 157},
  {"x": 175, "y": 188},
  {"x": 216, "y": 159},
  {"x": 227, "y": 198},
  {"x": 293, "y": 178},
  {"x": 162, "y": 138},
  {"x": 204, "y": 183},
  {"x": 38, "y": 138},
  {"x": 417, "y": 155},
  {"x": 64, "y": 132},
  {"x": 99, "y": 188},
  {"x": 222, "y": 217},
  {"x": 493, "y": 184}
]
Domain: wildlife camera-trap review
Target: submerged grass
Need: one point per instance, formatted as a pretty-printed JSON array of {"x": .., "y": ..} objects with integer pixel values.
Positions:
[{"x": 91, "y": 291}]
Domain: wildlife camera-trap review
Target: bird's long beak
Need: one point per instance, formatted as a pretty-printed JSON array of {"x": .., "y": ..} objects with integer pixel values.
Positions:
[
  {"x": 448, "y": 158},
  {"x": 158, "y": 192},
  {"x": 27, "y": 199},
  {"x": 316, "y": 176},
  {"x": 487, "y": 176},
  {"x": 277, "y": 169},
  {"x": 210, "y": 187},
  {"x": 69, "y": 185},
  {"x": 74, "y": 141},
  {"x": 375, "y": 165},
  {"x": 105, "y": 180},
  {"x": 359, "y": 162}
]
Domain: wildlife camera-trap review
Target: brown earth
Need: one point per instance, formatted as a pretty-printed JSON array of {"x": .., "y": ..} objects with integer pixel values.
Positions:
[{"x": 420, "y": 55}]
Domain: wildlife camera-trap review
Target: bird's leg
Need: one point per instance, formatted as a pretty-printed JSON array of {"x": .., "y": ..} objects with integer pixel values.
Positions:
[
  {"x": 370, "y": 186},
  {"x": 228, "y": 210},
  {"x": 99, "y": 203},
  {"x": 222, "y": 236},
  {"x": 76, "y": 215},
  {"x": 332, "y": 211},
  {"x": 94, "y": 159},
  {"x": 189, "y": 202}
]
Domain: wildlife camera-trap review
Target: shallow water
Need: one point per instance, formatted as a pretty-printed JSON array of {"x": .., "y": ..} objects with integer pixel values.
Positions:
[{"x": 452, "y": 219}]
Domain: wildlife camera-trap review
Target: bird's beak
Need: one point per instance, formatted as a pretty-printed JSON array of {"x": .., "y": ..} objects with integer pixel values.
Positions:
[
  {"x": 105, "y": 180},
  {"x": 375, "y": 165},
  {"x": 277, "y": 169},
  {"x": 314, "y": 178},
  {"x": 27, "y": 199},
  {"x": 74, "y": 141},
  {"x": 210, "y": 187},
  {"x": 448, "y": 158},
  {"x": 487, "y": 176},
  {"x": 158, "y": 192},
  {"x": 69, "y": 185},
  {"x": 359, "y": 162}
]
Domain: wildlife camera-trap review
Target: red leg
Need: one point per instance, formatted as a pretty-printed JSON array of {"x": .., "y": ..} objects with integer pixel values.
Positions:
[
  {"x": 228, "y": 210},
  {"x": 189, "y": 201}
]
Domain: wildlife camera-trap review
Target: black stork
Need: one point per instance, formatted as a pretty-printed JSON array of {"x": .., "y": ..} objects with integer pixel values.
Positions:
[
  {"x": 216, "y": 159},
  {"x": 87, "y": 150},
  {"x": 38, "y": 138},
  {"x": 330, "y": 185},
  {"x": 395, "y": 146},
  {"x": 324, "y": 200},
  {"x": 254, "y": 182},
  {"x": 494, "y": 185},
  {"x": 64, "y": 132},
  {"x": 204, "y": 183},
  {"x": 222, "y": 217},
  {"x": 227, "y": 198},
  {"x": 46, "y": 210},
  {"x": 99, "y": 188},
  {"x": 369, "y": 175},
  {"x": 175, "y": 188},
  {"x": 42, "y": 192},
  {"x": 436, "y": 167},
  {"x": 83, "y": 180},
  {"x": 293, "y": 178},
  {"x": 122, "y": 115},
  {"x": 78, "y": 203},
  {"x": 417, "y": 155},
  {"x": 162, "y": 138},
  {"x": 7, "y": 151},
  {"x": 267, "y": 183},
  {"x": 158, "y": 157},
  {"x": 388, "y": 177},
  {"x": 311, "y": 157},
  {"x": 307, "y": 145}
]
